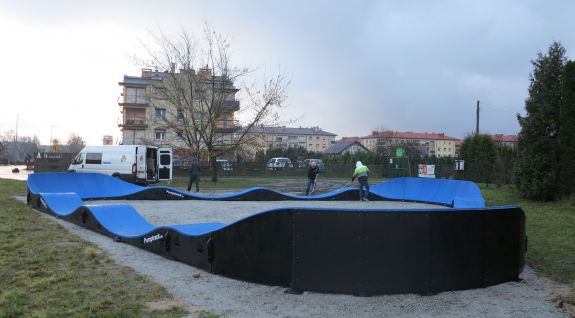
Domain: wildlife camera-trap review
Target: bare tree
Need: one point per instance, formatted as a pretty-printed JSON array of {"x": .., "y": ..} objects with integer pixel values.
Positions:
[
  {"x": 193, "y": 93},
  {"x": 75, "y": 143}
]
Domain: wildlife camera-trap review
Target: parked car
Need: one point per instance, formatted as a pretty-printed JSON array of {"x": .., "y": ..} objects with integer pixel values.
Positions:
[
  {"x": 278, "y": 163},
  {"x": 318, "y": 162},
  {"x": 226, "y": 165}
]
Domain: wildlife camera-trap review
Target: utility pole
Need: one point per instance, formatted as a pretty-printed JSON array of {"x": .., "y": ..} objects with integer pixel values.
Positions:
[{"x": 477, "y": 120}]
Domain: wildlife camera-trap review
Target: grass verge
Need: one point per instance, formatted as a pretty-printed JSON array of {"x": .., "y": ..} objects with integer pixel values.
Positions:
[
  {"x": 48, "y": 272},
  {"x": 550, "y": 229}
]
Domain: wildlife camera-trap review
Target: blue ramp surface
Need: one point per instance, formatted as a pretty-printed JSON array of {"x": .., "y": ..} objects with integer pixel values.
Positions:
[
  {"x": 461, "y": 194},
  {"x": 85, "y": 185},
  {"x": 453, "y": 193}
]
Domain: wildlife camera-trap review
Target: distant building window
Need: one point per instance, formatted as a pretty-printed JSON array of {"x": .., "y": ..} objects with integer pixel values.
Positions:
[
  {"x": 316, "y": 137},
  {"x": 135, "y": 95},
  {"x": 160, "y": 113},
  {"x": 180, "y": 114},
  {"x": 199, "y": 96},
  {"x": 278, "y": 139},
  {"x": 179, "y": 136},
  {"x": 161, "y": 92},
  {"x": 160, "y": 135},
  {"x": 310, "y": 137}
]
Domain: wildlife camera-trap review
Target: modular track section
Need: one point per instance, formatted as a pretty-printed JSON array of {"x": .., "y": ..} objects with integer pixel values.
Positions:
[
  {"x": 361, "y": 252},
  {"x": 93, "y": 186}
]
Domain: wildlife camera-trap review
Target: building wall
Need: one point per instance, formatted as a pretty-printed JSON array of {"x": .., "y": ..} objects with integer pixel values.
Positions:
[
  {"x": 142, "y": 103},
  {"x": 430, "y": 147}
]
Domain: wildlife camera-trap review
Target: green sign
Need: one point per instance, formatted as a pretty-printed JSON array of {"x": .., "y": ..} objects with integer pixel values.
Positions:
[{"x": 399, "y": 152}]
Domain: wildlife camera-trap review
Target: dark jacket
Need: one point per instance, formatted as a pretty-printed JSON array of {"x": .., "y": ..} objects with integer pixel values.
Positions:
[
  {"x": 195, "y": 167},
  {"x": 312, "y": 172}
]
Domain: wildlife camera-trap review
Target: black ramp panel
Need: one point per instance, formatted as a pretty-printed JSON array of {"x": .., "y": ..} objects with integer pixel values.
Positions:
[
  {"x": 399, "y": 252},
  {"x": 457, "y": 250},
  {"x": 191, "y": 250},
  {"x": 256, "y": 249},
  {"x": 329, "y": 251},
  {"x": 504, "y": 245}
]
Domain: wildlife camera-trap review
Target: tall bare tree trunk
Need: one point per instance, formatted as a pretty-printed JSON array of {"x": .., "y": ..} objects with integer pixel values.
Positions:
[{"x": 214, "y": 167}]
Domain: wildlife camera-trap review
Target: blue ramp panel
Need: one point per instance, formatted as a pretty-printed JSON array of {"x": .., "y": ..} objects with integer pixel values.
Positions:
[{"x": 360, "y": 252}]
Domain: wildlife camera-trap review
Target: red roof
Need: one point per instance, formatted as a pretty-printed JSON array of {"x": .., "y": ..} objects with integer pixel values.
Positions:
[
  {"x": 409, "y": 135},
  {"x": 350, "y": 139},
  {"x": 504, "y": 138}
]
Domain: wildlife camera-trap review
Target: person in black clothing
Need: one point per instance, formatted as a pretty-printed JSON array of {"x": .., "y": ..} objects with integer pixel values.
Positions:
[
  {"x": 312, "y": 173},
  {"x": 194, "y": 174}
]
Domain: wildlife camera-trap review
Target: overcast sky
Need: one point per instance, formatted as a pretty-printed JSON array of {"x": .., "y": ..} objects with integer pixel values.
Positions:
[{"x": 354, "y": 66}]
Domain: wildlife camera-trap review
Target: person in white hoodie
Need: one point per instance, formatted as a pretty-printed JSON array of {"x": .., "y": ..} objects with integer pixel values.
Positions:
[{"x": 361, "y": 172}]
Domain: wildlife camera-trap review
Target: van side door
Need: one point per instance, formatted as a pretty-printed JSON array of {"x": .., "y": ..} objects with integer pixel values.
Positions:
[
  {"x": 165, "y": 164},
  {"x": 141, "y": 163}
]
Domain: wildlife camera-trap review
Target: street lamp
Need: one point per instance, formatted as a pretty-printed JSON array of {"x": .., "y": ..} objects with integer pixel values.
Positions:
[
  {"x": 51, "y": 129},
  {"x": 16, "y": 138}
]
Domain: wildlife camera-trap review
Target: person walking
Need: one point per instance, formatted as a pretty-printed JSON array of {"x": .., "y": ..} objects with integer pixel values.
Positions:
[
  {"x": 194, "y": 174},
  {"x": 312, "y": 173},
  {"x": 361, "y": 172}
]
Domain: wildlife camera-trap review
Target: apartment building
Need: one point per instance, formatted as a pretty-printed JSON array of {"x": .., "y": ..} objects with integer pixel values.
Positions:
[
  {"x": 505, "y": 140},
  {"x": 430, "y": 144},
  {"x": 312, "y": 139},
  {"x": 151, "y": 111}
]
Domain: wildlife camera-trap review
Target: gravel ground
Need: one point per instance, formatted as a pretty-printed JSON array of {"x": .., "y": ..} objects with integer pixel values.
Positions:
[{"x": 233, "y": 298}]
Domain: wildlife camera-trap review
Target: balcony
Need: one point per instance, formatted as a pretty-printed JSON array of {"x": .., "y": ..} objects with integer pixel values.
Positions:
[
  {"x": 232, "y": 105},
  {"x": 133, "y": 124},
  {"x": 224, "y": 126},
  {"x": 133, "y": 104}
]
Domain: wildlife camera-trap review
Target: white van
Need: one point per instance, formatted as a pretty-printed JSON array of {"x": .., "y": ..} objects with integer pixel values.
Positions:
[{"x": 133, "y": 163}]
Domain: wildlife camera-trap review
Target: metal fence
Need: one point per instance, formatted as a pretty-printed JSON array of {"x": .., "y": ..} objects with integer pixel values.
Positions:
[{"x": 392, "y": 168}]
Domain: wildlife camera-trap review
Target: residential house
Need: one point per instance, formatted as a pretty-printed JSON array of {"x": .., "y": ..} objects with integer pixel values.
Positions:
[
  {"x": 344, "y": 146},
  {"x": 430, "y": 144},
  {"x": 505, "y": 140}
]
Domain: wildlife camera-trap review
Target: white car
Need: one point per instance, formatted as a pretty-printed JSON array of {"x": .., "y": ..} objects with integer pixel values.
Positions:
[
  {"x": 279, "y": 163},
  {"x": 226, "y": 165}
]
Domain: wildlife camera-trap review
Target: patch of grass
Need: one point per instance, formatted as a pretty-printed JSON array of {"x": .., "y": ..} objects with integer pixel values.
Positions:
[
  {"x": 550, "y": 229},
  {"x": 48, "y": 272}
]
